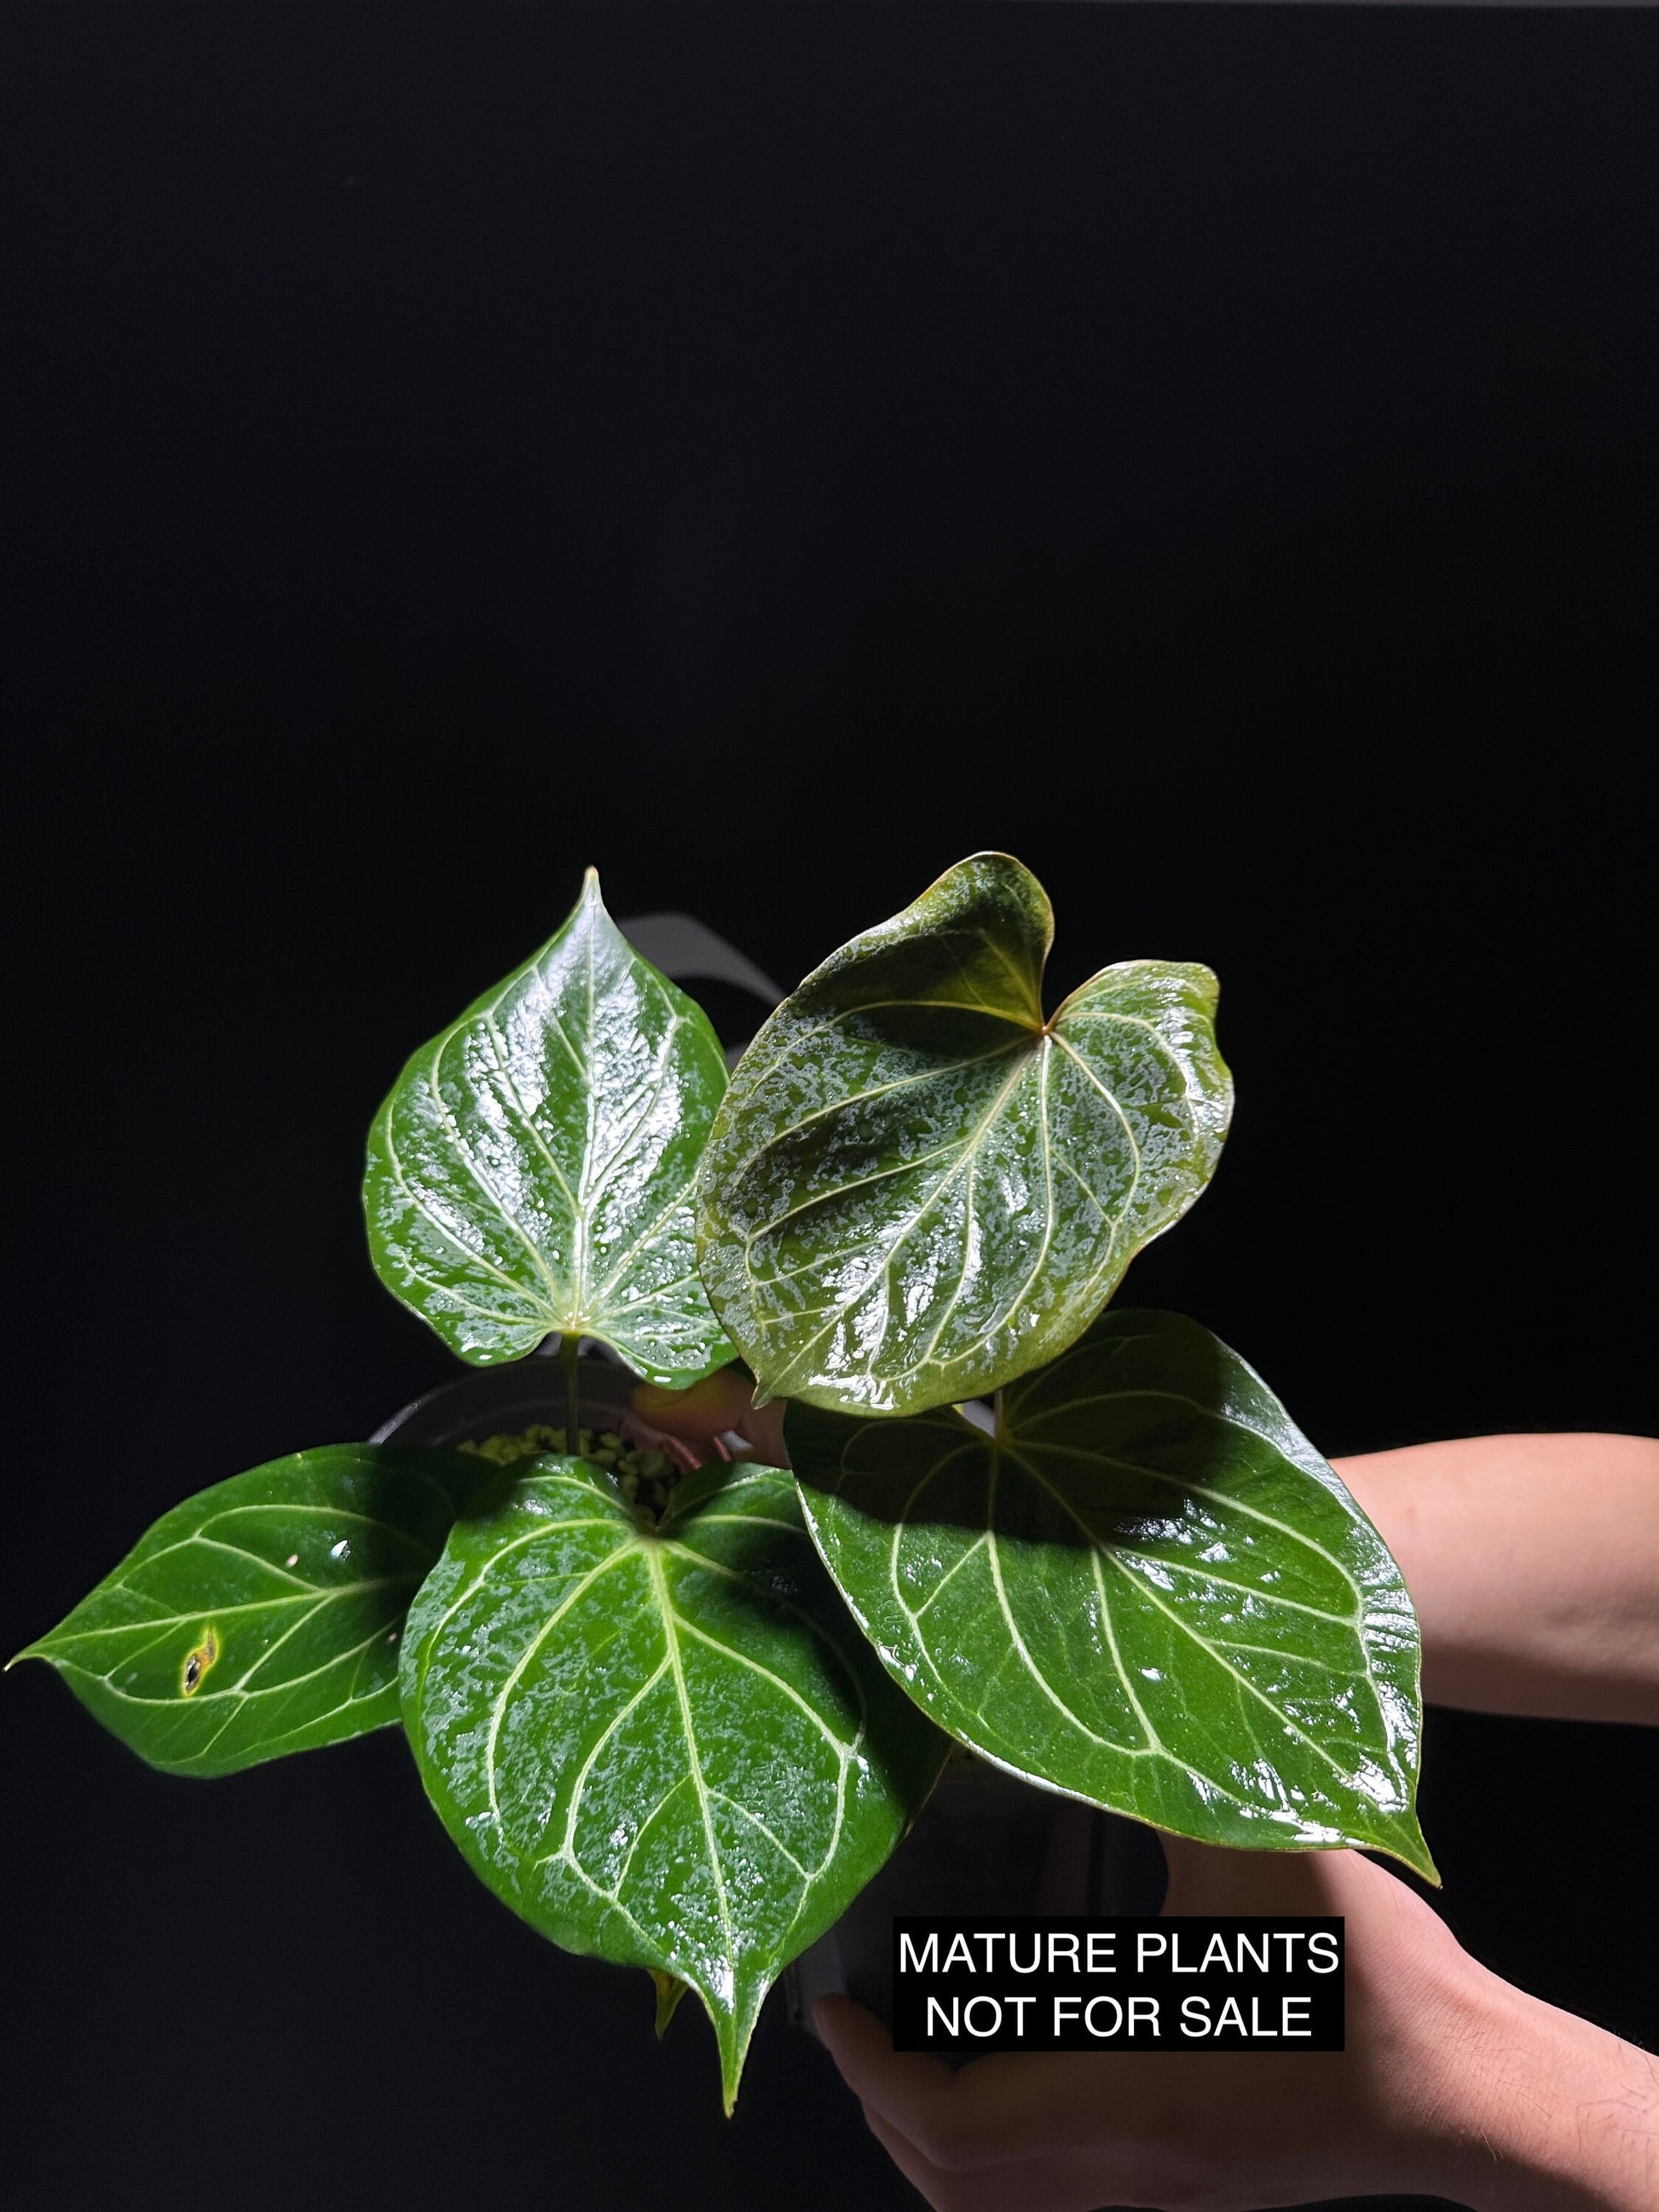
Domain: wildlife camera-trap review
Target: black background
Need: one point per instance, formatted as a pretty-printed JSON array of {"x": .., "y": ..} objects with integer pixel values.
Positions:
[{"x": 770, "y": 453}]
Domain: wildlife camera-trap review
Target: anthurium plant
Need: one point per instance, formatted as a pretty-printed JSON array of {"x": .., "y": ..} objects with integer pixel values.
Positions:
[{"x": 676, "y": 1710}]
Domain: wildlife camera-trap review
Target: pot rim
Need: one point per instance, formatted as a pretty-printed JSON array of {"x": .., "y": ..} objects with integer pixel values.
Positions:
[{"x": 487, "y": 1401}]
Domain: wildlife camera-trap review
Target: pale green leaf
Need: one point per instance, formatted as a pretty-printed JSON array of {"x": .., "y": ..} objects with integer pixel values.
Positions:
[
  {"x": 530, "y": 1174},
  {"x": 918, "y": 1187}
]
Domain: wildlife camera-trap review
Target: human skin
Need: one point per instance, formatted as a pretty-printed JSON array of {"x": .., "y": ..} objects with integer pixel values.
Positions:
[
  {"x": 1533, "y": 1560},
  {"x": 1453, "y": 2084},
  {"x": 721, "y": 1405},
  {"x": 1534, "y": 1564}
]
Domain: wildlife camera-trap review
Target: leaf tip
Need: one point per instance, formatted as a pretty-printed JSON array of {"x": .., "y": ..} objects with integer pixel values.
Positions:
[
  {"x": 1422, "y": 1862},
  {"x": 670, "y": 1990},
  {"x": 729, "y": 2090},
  {"x": 1411, "y": 1850},
  {"x": 732, "y": 2031}
]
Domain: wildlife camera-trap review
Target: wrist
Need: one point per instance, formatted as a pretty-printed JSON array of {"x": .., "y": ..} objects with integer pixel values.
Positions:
[{"x": 1550, "y": 2114}]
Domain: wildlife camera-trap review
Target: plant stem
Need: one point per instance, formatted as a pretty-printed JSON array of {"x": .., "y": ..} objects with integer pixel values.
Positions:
[{"x": 569, "y": 1349}]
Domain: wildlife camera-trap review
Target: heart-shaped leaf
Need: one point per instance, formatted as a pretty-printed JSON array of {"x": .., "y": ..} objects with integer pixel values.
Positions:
[
  {"x": 917, "y": 1187},
  {"x": 531, "y": 1173},
  {"x": 263, "y": 1615},
  {"x": 1147, "y": 1589},
  {"x": 669, "y": 1747}
]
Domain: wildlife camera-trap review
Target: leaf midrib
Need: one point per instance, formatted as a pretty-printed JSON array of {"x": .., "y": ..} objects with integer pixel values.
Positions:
[
  {"x": 1146, "y": 1591},
  {"x": 699, "y": 1780},
  {"x": 579, "y": 1306},
  {"x": 995, "y": 1450},
  {"x": 1036, "y": 1042},
  {"x": 160, "y": 1624},
  {"x": 963, "y": 1161}
]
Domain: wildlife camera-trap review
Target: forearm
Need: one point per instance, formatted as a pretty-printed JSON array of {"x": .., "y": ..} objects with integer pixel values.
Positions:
[
  {"x": 1534, "y": 1564},
  {"x": 1558, "y": 2116}
]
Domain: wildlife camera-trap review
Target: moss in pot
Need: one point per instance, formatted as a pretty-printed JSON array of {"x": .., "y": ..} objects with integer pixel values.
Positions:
[{"x": 683, "y": 1723}]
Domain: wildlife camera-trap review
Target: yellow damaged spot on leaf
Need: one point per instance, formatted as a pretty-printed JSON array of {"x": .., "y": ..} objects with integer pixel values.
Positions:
[{"x": 197, "y": 1661}]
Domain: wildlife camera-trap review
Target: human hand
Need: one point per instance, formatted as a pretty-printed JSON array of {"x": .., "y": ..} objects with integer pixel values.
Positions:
[
  {"x": 691, "y": 1425},
  {"x": 1453, "y": 2084}
]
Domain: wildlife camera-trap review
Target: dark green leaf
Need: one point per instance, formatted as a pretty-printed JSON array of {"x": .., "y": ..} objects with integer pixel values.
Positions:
[
  {"x": 263, "y": 1615},
  {"x": 531, "y": 1173},
  {"x": 1147, "y": 1590},
  {"x": 670, "y": 1748},
  {"x": 917, "y": 1187}
]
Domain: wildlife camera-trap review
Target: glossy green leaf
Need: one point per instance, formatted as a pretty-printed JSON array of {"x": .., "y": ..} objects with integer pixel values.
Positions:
[
  {"x": 670, "y": 1748},
  {"x": 531, "y": 1173},
  {"x": 263, "y": 1616},
  {"x": 917, "y": 1187},
  {"x": 1147, "y": 1590}
]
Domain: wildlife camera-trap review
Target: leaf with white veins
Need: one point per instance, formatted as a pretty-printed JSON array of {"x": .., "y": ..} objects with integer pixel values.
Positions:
[
  {"x": 918, "y": 1187},
  {"x": 1147, "y": 1589},
  {"x": 531, "y": 1173},
  {"x": 668, "y": 1748},
  {"x": 262, "y": 1616}
]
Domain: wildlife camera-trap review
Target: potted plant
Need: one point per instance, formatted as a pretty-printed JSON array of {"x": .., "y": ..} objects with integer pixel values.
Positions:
[{"x": 677, "y": 1707}]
